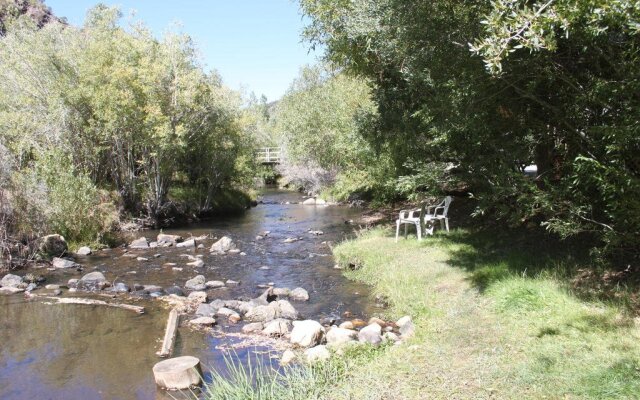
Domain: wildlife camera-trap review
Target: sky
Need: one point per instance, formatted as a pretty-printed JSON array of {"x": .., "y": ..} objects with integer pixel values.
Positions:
[{"x": 254, "y": 44}]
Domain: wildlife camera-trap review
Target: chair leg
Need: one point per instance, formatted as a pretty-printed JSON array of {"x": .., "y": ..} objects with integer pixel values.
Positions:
[
  {"x": 442, "y": 224},
  {"x": 397, "y": 230},
  {"x": 446, "y": 222},
  {"x": 419, "y": 231}
]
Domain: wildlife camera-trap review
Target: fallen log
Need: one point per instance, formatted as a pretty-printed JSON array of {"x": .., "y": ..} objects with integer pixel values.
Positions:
[
  {"x": 178, "y": 373},
  {"x": 169, "y": 334},
  {"x": 92, "y": 302}
]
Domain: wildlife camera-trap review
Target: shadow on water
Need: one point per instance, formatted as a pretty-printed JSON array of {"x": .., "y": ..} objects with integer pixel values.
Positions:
[{"x": 88, "y": 352}]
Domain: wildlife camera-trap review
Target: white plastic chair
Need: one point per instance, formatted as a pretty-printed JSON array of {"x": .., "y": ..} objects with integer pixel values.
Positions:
[{"x": 424, "y": 218}]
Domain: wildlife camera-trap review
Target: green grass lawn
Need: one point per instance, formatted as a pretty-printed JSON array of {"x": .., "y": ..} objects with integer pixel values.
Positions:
[{"x": 494, "y": 319}]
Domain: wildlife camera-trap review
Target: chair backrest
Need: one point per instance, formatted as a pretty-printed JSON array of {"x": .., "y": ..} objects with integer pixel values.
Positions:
[{"x": 447, "y": 203}]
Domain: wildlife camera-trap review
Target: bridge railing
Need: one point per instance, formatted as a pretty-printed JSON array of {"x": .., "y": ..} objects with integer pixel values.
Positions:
[{"x": 269, "y": 155}]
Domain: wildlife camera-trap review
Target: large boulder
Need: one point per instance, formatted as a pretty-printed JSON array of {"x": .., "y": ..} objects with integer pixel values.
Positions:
[
  {"x": 92, "y": 281},
  {"x": 140, "y": 243},
  {"x": 197, "y": 283},
  {"x": 63, "y": 263},
  {"x": 252, "y": 327},
  {"x": 261, "y": 314},
  {"x": 371, "y": 334},
  {"x": 284, "y": 309},
  {"x": 12, "y": 281},
  {"x": 207, "y": 310},
  {"x": 163, "y": 238},
  {"x": 307, "y": 333},
  {"x": 223, "y": 245},
  {"x": 309, "y": 202},
  {"x": 299, "y": 294},
  {"x": 52, "y": 245},
  {"x": 337, "y": 337}
]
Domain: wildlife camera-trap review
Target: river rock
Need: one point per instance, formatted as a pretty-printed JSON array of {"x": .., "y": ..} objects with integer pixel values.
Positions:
[
  {"x": 299, "y": 294},
  {"x": 208, "y": 321},
  {"x": 120, "y": 287},
  {"x": 223, "y": 245},
  {"x": 31, "y": 287},
  {"x": 229, "y": 313},
  {"x": 206, "y": 310},
  {"x": 277, "y": 327},
  {"x": 52, "y": 287},
  {"x": 231, "y": 282},
  {"x": 337, "y": 337},
  {"x": 178, "y": 373},
  {"x": 10, "y": 290},
  {"x": 281, "y": 292},
  {"x": 63, "y": 263},
  {"x": 164, "y": 238},
  {"x": 371, "y": 334},
  {"x": 139, "y": 243},
  {"x": 320, "y": 202},
  {"x": 317, "y": 354},
  {"x": 187, "y": 244},
  {"x": 84, "y": 251},
  {"x": 290, "y": 240},
  {"x": 196, "y": 283},
  {"x": 199, "y": 296},
  {"x": 11, "y": 281},
  {"x": 214, "y": 284},
  {"x": 407, "y": 329},
  {"x": 287, "y": 357},
  {"x": 57, "y": 292},
  {"x": 347, "y": 325},
  {"x": 376, "y": 320},
  {"x": 52, "y": 245},
  {"x": 92, "y": 281},
  {"x": 261, "y": 314},
  {"x": 196, "y": 263},
  {"x": 390, "y": 337},
  {"x": 252, "y": 327},
  {"x": 142, "y": 259},
  {"x": 175, "y": 290},
  {"x": 284, "y": 309},
  {"x": 72, "y": 283},
  {"x": 307, "y": 333},
  {"x": 309, "y": 202}
]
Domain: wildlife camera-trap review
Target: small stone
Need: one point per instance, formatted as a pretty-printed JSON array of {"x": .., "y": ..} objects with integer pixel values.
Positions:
[
  {"x": 92, "y": 281},
  {"x": 177, "y": 269},
  {"x": 375, "y": 320},
  {"x": 10, "y": 290},
  {"x": 407, "y": 329},
  {"x": 299, "y": 294},
  {"x": 198, "y": 296},
  {"x": 290, "y": 240},
  {"x": 281, "y": 292},
  {"x": 358, "y": 323},
  {"x": 287, "y": 357},
  {"x": 232, "y": 282},
  {"x": 201, "y": 246},
  {"x": 197, "y": 263},
  {"x": 52, "y": 287},
  {"x": 203, "y": 321},
  {"x": 187, "y": 244},
  {"x": 234, "y": 251},
  {"x": 142, "y": 259},
  {"x": 320, "y": 202},
  {"x": 140, "y": 243},
  {"x": 164, "y": 238},
  {"x": 277, "y": 327},
  {"x": 242, "y": 253},
  {"x": 196, "y": 283},
  {"x": 309, "y": 202},
  {"x": 214, "y": 284},
  {"x": 252, "y": 327},
  {"x": 347, "y": 325},
  {"x": 63, "y": 263},
  {"x": 264, "y": 268},
  {"x": 84, "y": 251},
  {"x": 58, "y": 292},
  {"x": 175, "y": 290},
  {"x": 120, "y": 287},
  {"x": 337, "y": 337},
  {"x": 153, "y": 289},
  {"x": 317, "y": 354},
  {"x": 72, "y": 282},
  {"x": 12, "y": 281},
  {"x": 390, "y": 337},
  {"x": 223, "y": 245},
  {"x": 371, "y": 334},
  {"x": 307, "y": 333},
  {"x": 207, "y": 310}
]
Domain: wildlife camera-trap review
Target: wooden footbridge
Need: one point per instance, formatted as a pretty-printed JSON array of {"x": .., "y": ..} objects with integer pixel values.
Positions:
[{"x": 269, "y": 155}]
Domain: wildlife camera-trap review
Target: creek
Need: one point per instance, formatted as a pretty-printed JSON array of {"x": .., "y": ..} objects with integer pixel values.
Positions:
[{"x": 64, "y": 351}]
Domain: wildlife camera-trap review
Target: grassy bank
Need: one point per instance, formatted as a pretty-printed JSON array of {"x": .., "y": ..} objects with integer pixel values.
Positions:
[
  {"x": 491, "y": 323},
  {"x": 498, "y": 324}
]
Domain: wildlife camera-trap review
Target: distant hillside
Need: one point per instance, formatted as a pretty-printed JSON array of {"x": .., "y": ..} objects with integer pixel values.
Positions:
[{"x": 35, "y": 9}]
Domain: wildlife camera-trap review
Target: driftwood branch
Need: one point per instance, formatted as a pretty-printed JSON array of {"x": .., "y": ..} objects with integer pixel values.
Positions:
[
  {"x": 169, "y": 334},
  {"x": 92, "y": 302}
]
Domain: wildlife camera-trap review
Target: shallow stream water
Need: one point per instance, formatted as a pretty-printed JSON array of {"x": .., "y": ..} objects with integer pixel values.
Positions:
[{"x": 65, "y": 351}]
